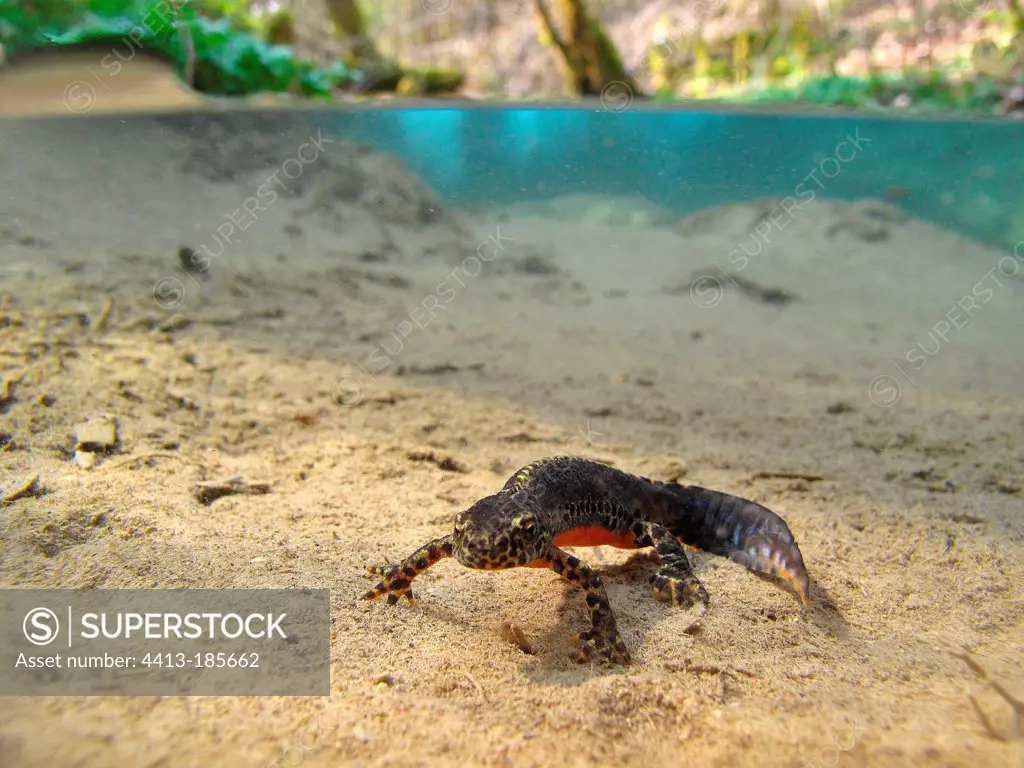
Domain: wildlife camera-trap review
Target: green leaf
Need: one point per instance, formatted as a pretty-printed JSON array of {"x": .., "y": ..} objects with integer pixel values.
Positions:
[{"x": 228, "y": 59}]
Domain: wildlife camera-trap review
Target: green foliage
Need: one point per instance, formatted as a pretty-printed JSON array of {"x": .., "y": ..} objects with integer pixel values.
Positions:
[
  {"x": 227, "y": 60},
  {"x": 919, "y": 92},
  {"x": 233, "y": 63},
  {"x": 798, "y": 61}
]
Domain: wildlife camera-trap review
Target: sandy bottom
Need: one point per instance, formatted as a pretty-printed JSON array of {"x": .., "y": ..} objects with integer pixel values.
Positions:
[{"x": 281, "y": 364}]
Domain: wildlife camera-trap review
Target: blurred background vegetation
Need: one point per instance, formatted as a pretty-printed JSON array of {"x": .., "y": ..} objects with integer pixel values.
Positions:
[{"x": 930, "y": 55}]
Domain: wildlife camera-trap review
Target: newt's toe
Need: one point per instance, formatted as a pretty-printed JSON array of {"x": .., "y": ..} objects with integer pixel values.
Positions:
[
  {"x": 680, "y": 591},
  {"x": 602, "y": 648},
  {"x": 395, "y": 584}
]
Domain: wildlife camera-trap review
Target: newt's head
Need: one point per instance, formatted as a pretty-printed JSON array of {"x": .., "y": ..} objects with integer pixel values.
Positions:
[{"x": 499, "y": 532}]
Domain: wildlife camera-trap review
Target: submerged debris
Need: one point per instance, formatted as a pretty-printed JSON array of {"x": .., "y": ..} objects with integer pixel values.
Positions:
[
  {"x": 96, "y": 435},
  {"x": 766, "y": 295},
  {"x": 512, "y": 633},
  {"x": 445, "y": 463},
  {"x": 1017, "y": 728},
  {"x": 209, "y": 491},
  {"x": 29, "y": 487},
  {"x": 192, "y": 262},
  {"x": 7, "y": 389}
]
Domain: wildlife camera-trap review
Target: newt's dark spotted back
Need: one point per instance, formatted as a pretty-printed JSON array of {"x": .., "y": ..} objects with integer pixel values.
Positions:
[{"x": 565, "y": 501}]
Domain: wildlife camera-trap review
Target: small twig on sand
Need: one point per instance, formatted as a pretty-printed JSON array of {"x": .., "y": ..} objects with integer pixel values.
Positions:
[
  {"x": 511, "y": 633},
  {"x": 101, "y": 319},
  {"x": 29, "y": 487},
  {"x": 1017, "y": 729},
  {"x": 208, "y": 492},
  {"x": 8, "y": 386},
  {"x": 145, "y": 457},
  {"x": 476, "y": 685},
  {"x": 788, "y": 476}
]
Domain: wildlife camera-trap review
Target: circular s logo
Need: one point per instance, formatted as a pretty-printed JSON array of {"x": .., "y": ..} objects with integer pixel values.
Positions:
[
  {"x": 437, "y": 7},
  {"x": 79, "y": 97},
  {"x": 706, "y": 291},
  {"x": 616, "y": 96},
  {"x": 169, "y": 293},
  {"x": 347, "y": 390},
  {"x": 40, "y": 626},
  {"x": 884, "y": 391}
]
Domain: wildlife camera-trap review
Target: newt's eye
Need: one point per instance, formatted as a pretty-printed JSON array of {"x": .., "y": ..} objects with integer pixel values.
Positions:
[{"x": 529, "y": 527}]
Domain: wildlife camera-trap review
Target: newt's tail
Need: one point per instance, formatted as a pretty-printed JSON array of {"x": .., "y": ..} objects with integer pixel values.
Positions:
[{"x": 739, "y": 529}]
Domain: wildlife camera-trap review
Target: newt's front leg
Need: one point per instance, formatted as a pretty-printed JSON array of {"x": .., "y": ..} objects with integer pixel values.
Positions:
[
  {"x": 397, "y": 581},
  {"x": 602, "y": 643}
]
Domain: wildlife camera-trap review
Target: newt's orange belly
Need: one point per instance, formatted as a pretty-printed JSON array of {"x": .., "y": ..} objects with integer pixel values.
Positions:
[{"x": 595, "y": 536}]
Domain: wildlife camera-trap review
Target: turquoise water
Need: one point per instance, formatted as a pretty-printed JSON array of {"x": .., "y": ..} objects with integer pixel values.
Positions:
[{"x": 965, "y": 174}]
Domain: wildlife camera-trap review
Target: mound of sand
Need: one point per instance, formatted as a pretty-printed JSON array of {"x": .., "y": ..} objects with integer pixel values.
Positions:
[
  {"x": 91, "y": 80},
  {"x": 599, "y": 210}
]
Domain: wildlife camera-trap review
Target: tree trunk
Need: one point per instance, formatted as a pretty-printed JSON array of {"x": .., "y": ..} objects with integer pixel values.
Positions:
[
  {"x": 591, "y": 60},
  {"x": 352, "y": 27},
  {"x": 1017, "y": 13},
  {"x": 383, "y": 75}
]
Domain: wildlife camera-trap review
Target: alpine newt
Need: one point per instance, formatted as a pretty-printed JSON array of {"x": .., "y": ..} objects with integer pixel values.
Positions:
[{"x": 565, "y": 501}]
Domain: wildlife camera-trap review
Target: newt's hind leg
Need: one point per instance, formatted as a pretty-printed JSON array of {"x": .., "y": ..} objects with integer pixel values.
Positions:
[
  {"x": 397, "y": 581},
  {"x": 674, "y": 582}
]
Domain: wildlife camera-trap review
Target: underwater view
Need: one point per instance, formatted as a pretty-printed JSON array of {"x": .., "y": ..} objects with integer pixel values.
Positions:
[{"x": 742, "y": 389}]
